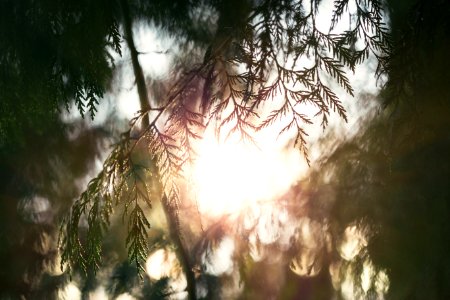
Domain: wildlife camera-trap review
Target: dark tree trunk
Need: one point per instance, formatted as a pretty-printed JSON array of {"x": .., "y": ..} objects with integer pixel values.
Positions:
[{"x": 171, "y": 216}]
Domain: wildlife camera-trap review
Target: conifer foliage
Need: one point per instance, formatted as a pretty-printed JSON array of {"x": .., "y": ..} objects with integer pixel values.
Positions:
[
  {"x": 51, "y": 55},
  {"x": 275, "y": 50}
]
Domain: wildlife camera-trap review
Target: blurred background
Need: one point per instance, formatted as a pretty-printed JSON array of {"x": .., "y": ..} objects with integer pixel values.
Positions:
[{"x": 368, "y": 219}]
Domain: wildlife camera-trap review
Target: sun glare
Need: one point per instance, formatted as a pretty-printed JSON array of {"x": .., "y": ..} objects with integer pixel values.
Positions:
[{"x": 230, "y": 175}]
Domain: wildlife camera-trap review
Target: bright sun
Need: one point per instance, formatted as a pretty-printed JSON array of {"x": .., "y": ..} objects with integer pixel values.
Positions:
[{"x": 230, "y": 175}]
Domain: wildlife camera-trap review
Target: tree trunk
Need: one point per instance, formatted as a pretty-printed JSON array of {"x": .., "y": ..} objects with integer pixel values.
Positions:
[
  {"x": 182, "y": 254},
  {"x": 171, "y": 216}
]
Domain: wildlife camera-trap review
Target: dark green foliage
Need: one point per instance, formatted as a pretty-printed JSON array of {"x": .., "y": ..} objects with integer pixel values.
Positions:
[
  {"x": 190, "y": 20},
  {"x": 397, "y": 185},
  {"x": 393, "y": 176},
  {"x": 52, "y": 53}
]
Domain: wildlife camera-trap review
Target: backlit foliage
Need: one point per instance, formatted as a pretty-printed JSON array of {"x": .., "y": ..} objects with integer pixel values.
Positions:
[{"x": 277, "y": 52}]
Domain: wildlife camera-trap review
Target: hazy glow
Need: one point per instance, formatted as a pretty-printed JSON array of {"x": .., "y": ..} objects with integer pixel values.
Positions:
[
  {"x": 99, "y": 294},
  {"x": 370, "y": 278},
  {"x": 230, "y": 175},
  {"x": 367, "y": 275},
  {"x": 160, "y": 264},
  {"x": 270, "y": 224},
  {"x": 354, "y": 241},
  {"x": 334, "y": 269},
  {"x": 163, "y": 263},
  {"x": 220, "y": 260},
  {"x": 125, "y": 296},
  {"x": 348, "y": 288},
  {"x": 312, "y": 241},
  {"x": 69, "y": 292},
  {"x": 54, "y": 266},
  {"x": 343, "y": 271},
  {"x": 37, "y": 209},
  {"x": 382, "y": 282}
]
